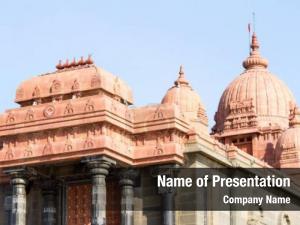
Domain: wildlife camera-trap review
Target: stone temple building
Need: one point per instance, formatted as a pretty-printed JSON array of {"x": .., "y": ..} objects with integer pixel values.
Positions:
[{"x": 77, "y": 152}]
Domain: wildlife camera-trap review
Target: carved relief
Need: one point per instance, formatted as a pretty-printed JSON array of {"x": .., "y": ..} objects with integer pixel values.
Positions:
[
  {"x": 70, "y": 134},
  {"x": 9, "y": 152},
  {"x": 29, "y": 115},
  {"x": 69, "y": 109},
  {"x": 28, "y": 150},
  {"x": 95, "y": 82},
  {"x": 36, "y": 92},
  {"x": 10, "y": 118},
  {"x": 75, "y": 86},
  {"x": 49, "y": 111},
  {"x": 89, "y": 106},
  {"x": 55, "y": 87},
  {"x": 158, "y": 148},
  {"x": 89, "y": 143},
  {"x": 158, "y": 114},
  {"x": 48, "y": 146}
]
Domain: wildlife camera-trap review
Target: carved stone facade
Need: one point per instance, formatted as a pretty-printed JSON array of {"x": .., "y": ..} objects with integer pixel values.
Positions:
[{"x": 77, "y": 152}]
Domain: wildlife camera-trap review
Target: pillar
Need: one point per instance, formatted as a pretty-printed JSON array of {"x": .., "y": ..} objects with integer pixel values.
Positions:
[
  {"x": 168, "y": 203},
  {"x": 99, "y": 169},
  {"x": 127, "y": 178},
  {"x": 49, "y": 213},
  {"x": 18, "y": 205},
  {"x": 167, "y": 194}
]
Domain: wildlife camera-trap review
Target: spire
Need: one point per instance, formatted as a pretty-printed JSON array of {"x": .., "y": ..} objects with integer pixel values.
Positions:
[
  {"x": 255, "y": 60},
  {"x": 181, "y": 80}
]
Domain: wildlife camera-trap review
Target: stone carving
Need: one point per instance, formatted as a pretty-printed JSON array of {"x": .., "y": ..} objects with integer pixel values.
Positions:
[
  {"x": 49, "y": 111},
  {"x": 75, "y": 85},
  {"x": 29, "y": 115},
  {"x": 28, "y": 151},
  {"x": 55, "y": 87},
  {"x": 9, "y": 154},
  {"x": 158, "y": 149},
  {"x": 88, "y": 143},
  {"x": 10, "y": 118},
  {"x": 69, "y": 109},
  {"x": 158, "y": 114},
  {"x": 89, "y": 106},
  {"x": 36, "y": 92},
  {"x": 95, "y": 82},
  {"x": 48, "y": 146}
]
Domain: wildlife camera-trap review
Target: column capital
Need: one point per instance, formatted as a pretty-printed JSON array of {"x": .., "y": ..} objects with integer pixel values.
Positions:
[
  {"x": 127, "y": 177},
  {"x": 19, "y": 176},
  {"x": 99, "y": 165}
]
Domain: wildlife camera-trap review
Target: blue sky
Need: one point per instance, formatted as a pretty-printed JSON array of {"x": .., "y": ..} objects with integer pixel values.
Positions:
[{"x": 144, "y": 42}]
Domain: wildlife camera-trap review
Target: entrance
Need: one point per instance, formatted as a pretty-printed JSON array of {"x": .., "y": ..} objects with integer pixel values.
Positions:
[{"x": 79, "y": 203}]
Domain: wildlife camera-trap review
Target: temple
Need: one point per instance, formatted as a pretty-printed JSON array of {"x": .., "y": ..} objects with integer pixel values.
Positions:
[{"x": 77, "y": 152}]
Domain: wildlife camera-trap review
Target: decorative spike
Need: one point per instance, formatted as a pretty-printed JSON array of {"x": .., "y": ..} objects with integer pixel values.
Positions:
[
  {"x": 81, "y": 61},
  {"x": 59, "y": 66},
  {"x": 73, "y": 63},
  {"x": 66, "y": 64},
  {"x": 89, "y": 60},
  {"x": 181, "y": 79}
]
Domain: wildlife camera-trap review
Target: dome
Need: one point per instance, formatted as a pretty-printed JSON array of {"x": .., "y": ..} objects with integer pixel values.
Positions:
[
  {"x": 256, "y": 98},
  {"x": 189, "y": 102},
  {"x": 72, "y": 78},
  {"x": 288, "y": 144}
]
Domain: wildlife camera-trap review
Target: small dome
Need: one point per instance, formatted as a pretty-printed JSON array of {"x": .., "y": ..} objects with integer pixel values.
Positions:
[
  {"x": 71, "y": 78},
  {"x": 186, "y": 98},
  {"x": 256, "y": 98},
  {"x": 288, "y": 144}
]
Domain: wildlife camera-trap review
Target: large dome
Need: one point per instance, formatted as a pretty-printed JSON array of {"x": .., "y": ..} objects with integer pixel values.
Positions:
[
  {"x": 188, "y": 101},
  {"x": 256, "y": 98}
]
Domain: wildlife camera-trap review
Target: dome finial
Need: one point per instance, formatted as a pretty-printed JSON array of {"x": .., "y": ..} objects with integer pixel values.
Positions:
[
  {"x": 181, "y": 78},
  {"x": 255, "y": 60},
  {"x": 254, "y": 42}
]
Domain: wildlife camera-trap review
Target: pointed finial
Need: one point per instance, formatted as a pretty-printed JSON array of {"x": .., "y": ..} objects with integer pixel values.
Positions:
[
  {"x": 254, "y": 42},
  {"x": 255, "y": 60},
  {"x": 181, "y": 78}
]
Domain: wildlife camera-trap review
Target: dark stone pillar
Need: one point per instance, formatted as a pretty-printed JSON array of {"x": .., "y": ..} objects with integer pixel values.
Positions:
[
  {"x": 167, "y": 194},
  {"x": 127, "y": 178},
  {"x": 99, "y": 169},
  {"x": 49, "y": 215},
  {"x": 168, "y": 203},
  {"x": 18, "y": 182}
]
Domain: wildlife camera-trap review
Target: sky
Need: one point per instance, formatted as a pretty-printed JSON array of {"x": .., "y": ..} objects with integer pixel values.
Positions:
[{"x": 145, "y": 42}]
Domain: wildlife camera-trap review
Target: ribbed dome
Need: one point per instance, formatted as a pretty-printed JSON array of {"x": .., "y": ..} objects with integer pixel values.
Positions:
[
  {"x": 256, "y": 98},
  {"x": 186, "y": 98},
  {"x": 288, "y": 145}
]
